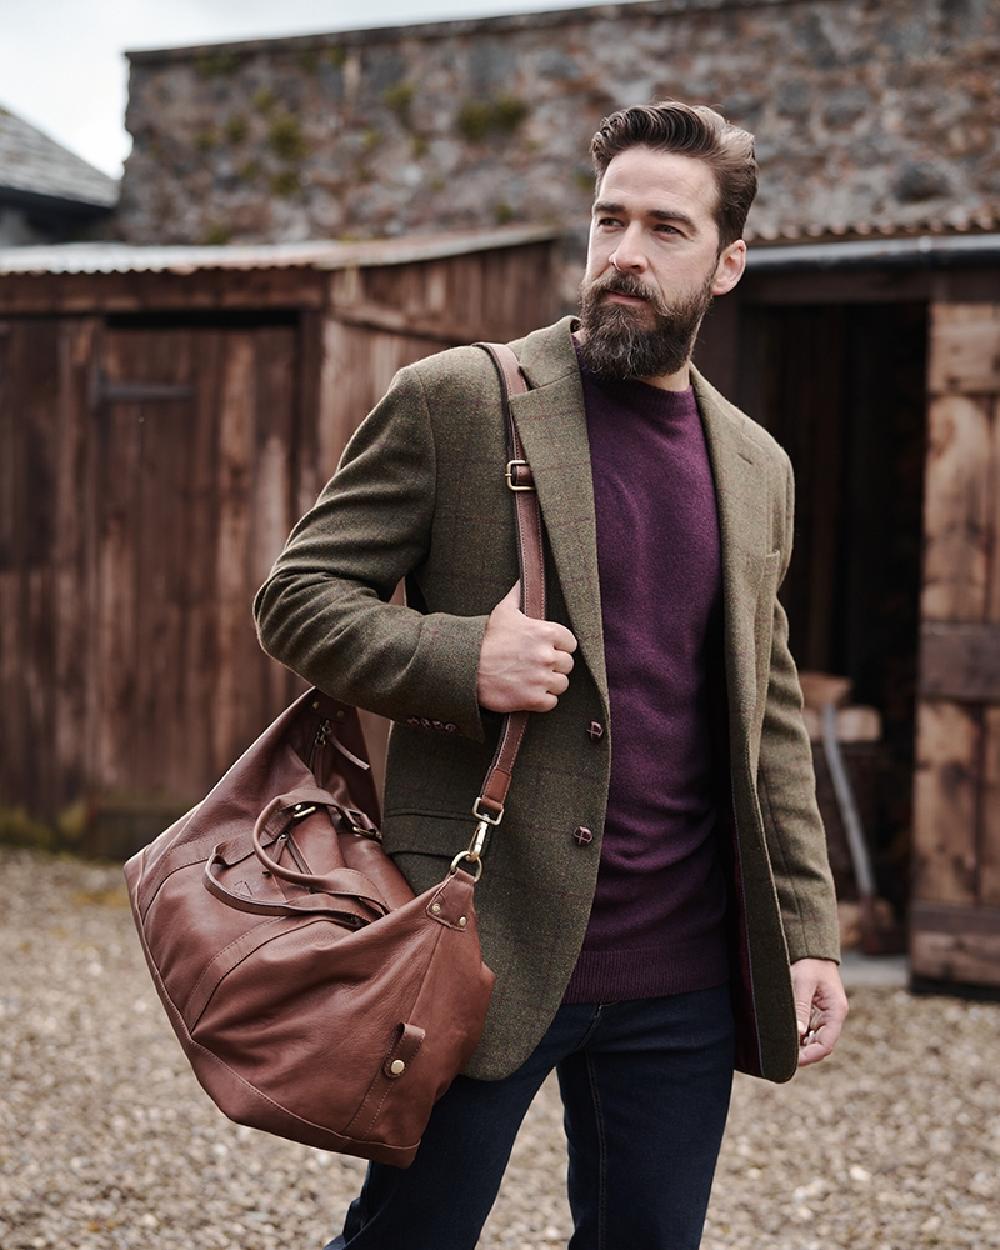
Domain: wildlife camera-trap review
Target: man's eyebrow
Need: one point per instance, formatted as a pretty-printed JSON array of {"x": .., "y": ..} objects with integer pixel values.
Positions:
[{"x": 659, "y": 214}]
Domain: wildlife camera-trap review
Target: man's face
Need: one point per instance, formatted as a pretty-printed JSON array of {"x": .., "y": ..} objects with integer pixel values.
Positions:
[{"x": 653, "y": 264}]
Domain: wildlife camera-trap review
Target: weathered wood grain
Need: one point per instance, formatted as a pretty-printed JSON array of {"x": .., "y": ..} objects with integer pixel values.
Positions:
[
  {"x": 965, "y": 349},
  {"x": 989, "y": 868},
  {"x": 946, "y": 784},
  {"x": 960, "y": 660},
  {"x": 957, "y": 507}
]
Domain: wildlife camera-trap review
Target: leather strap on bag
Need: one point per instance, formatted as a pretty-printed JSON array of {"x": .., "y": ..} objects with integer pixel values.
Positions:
[{"x": 489, "y": 806}]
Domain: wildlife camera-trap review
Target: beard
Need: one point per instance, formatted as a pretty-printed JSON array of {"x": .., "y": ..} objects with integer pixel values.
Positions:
[{"x": 621, "y": 341}]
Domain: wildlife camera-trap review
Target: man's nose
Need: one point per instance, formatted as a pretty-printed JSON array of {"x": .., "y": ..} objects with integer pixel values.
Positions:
[{"x": 629, "y": 255}]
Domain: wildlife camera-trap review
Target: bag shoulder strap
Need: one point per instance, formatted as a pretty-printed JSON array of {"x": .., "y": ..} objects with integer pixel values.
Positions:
[{"x": 490, "y": 804}]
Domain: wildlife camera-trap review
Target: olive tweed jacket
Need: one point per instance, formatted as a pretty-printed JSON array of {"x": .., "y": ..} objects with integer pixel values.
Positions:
[{"x": 420, "y": 494}]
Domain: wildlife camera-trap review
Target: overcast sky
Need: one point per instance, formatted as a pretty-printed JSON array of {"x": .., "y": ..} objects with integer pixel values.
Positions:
[{"x": 62, "y": 68}]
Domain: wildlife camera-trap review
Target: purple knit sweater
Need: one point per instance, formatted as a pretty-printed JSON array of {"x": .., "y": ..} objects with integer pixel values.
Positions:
[{"x": 657, "y": 922}]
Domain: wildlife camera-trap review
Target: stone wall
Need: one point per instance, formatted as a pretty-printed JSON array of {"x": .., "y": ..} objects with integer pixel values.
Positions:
[{"x": 870, "y": 115}]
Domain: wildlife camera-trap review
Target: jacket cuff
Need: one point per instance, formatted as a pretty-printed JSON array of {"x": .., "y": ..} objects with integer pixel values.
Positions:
[
  {"x": 802, "y": 945},
  {"x": 448, "y": 668}
]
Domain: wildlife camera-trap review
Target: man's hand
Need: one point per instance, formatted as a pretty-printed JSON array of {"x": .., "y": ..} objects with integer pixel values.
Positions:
[
  {"x": 820, "y": 1007},
  {"x": 524, "y": 663}
]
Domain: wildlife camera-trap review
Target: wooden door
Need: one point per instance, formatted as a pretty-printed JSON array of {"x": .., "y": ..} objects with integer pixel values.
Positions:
[
  {"x": 955, "y": 918},
  {"x": 148, "y": 481}
]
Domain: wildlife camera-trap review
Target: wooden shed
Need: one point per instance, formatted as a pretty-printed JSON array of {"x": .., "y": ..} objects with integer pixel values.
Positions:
[
  {"x": 876, "y": 363},
  {"x": 166, "y": 414}
]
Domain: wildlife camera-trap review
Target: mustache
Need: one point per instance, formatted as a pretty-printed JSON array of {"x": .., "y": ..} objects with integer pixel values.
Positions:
[{"x": 617, "y": 283}]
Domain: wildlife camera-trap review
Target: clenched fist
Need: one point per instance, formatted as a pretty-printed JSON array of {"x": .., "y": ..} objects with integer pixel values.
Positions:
[{"x": 524, "y": 663}]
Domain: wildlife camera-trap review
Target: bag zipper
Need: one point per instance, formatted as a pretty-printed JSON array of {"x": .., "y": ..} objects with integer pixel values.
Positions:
[{"x": 319, "y": 741}]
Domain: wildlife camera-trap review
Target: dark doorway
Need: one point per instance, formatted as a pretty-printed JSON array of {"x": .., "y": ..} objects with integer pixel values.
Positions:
[{"x": 843, "y": 389}]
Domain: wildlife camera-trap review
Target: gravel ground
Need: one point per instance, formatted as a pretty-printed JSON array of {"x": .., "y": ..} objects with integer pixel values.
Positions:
[{"x": 107, "y": 1141}]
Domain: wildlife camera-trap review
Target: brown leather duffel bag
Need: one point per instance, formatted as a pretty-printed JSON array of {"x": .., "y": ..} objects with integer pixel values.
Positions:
[{"x": 314, "y": 996}]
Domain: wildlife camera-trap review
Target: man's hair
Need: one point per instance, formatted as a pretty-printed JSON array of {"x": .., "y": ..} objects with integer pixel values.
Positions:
[{"x": 690, "y": 130}]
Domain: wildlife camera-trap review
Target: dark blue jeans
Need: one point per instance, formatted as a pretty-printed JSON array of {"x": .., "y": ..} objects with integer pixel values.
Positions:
[{"x": 645, "y": 1088}]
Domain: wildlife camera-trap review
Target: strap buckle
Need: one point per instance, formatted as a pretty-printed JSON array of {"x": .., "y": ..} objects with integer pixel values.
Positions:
[
  {"x": 491, "y": 818},
  {"x": 512, "y": 464}
]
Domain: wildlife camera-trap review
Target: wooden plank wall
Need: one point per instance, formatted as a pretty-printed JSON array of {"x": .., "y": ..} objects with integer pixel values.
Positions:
[
  {"x": 135, "y": 530},
  {"x": 955, "y": 919}
]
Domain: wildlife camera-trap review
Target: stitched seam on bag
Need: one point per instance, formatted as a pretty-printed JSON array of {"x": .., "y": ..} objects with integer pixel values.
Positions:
[
  {"x": 218, "y": 955},
  {"x": 188, "y": 863},
  {"x": 385, "y": 1095},
  {"x": 226, "y": 975},
  {"x": 249, "y": 1085},
  {"x": 379, "y": 1072},
  {"x": 285, "y": 1110}
]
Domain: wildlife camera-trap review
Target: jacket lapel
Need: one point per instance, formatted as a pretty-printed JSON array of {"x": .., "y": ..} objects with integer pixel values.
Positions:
[
  {"x": 552, "y": 423},
  {"x": 553, "y": 427},
  {"x": 741, "y": 496}
]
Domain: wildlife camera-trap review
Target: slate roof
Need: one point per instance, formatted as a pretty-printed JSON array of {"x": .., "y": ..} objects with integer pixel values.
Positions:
[{"x": 32, "y": 163}]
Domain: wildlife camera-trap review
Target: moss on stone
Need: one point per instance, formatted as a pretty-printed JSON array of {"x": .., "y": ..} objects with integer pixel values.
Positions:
[
  {"x": 286, "y": 183},
  {"x": 398, "y": 98},
  {"x": 249, "y": 170},
  {"x": 217, "y": 64},
  {"x": 206, "y": 139},
  {"x": 285, "y": 138},
  {"x": 264, "y": 100},
  {"x": 508, "y": 113},
  {"x": 336, "y": 57},
  {"x": 502, "y": 213},
  {"x": 478, "y": 119},
  {"x": 216, "y": 234},
  {"x": 236, "y": 128},
  {"x": 418, "y": 147},
  {"x": 370, "y": 139}
]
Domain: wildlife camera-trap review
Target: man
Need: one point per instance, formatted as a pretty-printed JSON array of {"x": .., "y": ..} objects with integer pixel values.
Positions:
[{"x": 657, "y": 904}]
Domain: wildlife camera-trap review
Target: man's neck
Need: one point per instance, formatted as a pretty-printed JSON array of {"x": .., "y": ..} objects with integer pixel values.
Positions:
[{"x": 679, "y": 381}]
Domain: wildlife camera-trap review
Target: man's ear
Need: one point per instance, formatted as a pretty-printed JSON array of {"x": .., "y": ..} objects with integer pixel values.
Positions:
[{"x": 729, "y": 267}]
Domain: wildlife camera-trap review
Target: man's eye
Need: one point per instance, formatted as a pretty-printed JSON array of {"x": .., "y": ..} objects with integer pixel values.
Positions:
[
  {"x": 607, "y": 221},
  {"x": 665, "y": 227}
]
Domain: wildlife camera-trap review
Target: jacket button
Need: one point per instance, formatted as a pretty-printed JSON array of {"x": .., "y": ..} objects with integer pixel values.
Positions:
[
  {"x": 596, "y": 730},
  {"x": 413, "y": 722},
  {"x": 582, "y": 836},
  {"x": 450, "y": 727}
]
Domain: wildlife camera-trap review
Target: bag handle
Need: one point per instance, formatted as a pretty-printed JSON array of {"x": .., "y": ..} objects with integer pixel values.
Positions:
[
  {"x": 346, "y": 884},
  {"x": 489, "y": 806}
]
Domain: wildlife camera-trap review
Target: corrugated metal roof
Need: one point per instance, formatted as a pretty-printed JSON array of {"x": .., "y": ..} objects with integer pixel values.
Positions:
[
  {"x": 32, "y": 162},
  {"x": 111, "y": 257},
  {"x": 923, "y": 250}
]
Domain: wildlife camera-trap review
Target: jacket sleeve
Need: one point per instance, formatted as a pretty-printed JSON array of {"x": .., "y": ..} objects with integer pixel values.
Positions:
[
  {"x": 786, "y": 783},
  {"x": 323, "y": 610}
]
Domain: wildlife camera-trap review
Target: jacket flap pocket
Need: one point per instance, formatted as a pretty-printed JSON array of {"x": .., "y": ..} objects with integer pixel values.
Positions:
[{"x": 427, "y": 832}]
